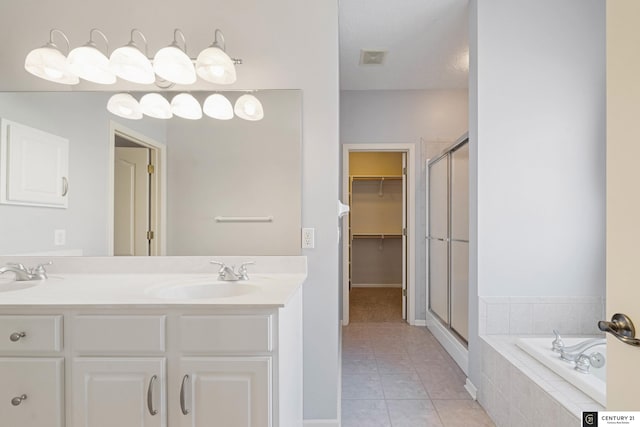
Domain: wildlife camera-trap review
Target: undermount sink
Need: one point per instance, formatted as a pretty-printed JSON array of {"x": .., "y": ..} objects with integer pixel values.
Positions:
[
  {"x": 13, "y": 285},
  {"x": 204, "y": 290}
]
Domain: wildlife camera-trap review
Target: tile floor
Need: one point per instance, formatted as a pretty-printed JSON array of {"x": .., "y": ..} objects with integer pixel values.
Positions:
[{"x": 396, "y": 375}]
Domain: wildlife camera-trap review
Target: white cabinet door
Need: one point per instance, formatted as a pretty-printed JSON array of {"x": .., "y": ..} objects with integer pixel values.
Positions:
[
  {"x": 34, "y": 168},
  {"x": 122, "y": 392},
  {"x": 225, "y": 392},
  {"x": 32, "y": 392}
]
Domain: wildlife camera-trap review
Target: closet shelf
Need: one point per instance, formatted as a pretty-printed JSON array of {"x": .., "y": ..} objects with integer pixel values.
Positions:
[
  {"x": 374, "y": 177},
  {"x": 376, "y": 235}
]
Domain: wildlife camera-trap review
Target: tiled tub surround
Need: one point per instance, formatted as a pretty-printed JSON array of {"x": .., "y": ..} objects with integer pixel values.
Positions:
[
  {"x": 540, "y": 315},
  {"x": 517, "y": 390}
]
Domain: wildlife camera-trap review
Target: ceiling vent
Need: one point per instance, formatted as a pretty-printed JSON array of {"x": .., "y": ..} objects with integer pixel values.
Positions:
[{"x": 372, "y": 57}]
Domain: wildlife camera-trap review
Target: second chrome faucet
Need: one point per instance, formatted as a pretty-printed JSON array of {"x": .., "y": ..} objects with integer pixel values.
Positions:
[{"x": 230, "y": 274}]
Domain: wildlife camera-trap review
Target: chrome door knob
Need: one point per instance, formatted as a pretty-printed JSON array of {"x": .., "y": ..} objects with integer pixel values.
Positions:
[
  {"x": 18, "y": 400},
  {"x": 15, "y": 337}
]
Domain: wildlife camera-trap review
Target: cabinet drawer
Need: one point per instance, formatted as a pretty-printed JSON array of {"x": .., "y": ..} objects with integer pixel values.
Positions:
[
  {"x": 30, "y": 334},
  {"x": 106, "y": 335},
  {"x": 226, "y": 334},
  {"x": 40, "y": 382}
]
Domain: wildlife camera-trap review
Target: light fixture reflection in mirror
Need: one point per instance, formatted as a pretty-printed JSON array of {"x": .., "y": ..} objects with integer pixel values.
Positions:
[
  {"x": 248, "y": 107},
  {"x": 156, "y": 106},
  {"x": 186, "y": 106},
  {"x": 217, "y": 106},
  {"x": 124, "y": 105}
]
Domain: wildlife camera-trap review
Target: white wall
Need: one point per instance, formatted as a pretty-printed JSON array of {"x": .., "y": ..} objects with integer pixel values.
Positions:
[
  {"x": 537, "y": 132},
  {"x": 436, "y": 117},
  {"x": 292, "y": 44},
  {"x": 83, "y": 119}
]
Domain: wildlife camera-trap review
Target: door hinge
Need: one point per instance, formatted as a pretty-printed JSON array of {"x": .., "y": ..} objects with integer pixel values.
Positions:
[
  {"x": 404, "y": 231},
  {"x": 151, "y": 169},
  {"x": 404, "y": 170},
  {"x": 404, "y": 292},
  {"x": 149, "y": 235}
]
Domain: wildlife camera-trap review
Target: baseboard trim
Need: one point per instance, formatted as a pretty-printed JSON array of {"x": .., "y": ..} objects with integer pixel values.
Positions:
[
  {"x": 471, "y": 389},
  {"x": 324, "y": 423},
  {"x": 421, "y": 322},
  {"x": 376, "y": 285}
]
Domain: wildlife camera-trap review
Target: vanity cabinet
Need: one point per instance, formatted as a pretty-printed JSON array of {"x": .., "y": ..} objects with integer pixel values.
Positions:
[
  {"x": 31, "y": 371},
  {"x": 225, "y": 392},
  {"x": 118, "y": 391},
  {"x": 152, "y": 366}
]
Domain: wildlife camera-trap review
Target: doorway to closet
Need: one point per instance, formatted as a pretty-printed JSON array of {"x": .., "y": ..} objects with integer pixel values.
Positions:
[{"x": 378, "y": 255}]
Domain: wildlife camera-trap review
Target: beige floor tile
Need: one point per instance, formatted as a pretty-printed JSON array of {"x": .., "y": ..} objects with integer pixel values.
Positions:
[
  {"x": 365, "y": 413},
  {"x": 444, "y": 383},
  {"x": 403, "y": 386},
  {"x": 413, "y": 413},
  {"x": 462, "y": 413},
  {"x": 394, "y": 363},
  {"x": 359, "y": 364},
  {"x": 361, "y": 386}
]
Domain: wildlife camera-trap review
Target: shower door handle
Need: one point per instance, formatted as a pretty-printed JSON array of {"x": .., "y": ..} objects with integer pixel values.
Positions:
[{"x": 622, "y": 328}]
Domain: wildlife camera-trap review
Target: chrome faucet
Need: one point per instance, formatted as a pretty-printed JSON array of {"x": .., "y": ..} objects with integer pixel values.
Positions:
[
  {"x": 23, "y": 273},
  {"x": 573, "y": 353},
  {"x": 584, "y": 362},
  {"x": 229, "y": 274}
]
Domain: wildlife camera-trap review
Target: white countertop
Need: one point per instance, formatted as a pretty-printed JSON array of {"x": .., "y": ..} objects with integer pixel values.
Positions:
[{"x": 268, "y": 286}]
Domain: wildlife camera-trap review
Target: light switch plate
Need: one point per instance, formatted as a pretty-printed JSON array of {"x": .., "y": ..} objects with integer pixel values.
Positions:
[{"x": 59, "y": 237}]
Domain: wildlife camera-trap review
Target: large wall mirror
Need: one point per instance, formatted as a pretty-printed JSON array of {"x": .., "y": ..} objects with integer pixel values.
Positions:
[{"x": 219, "y": 187}]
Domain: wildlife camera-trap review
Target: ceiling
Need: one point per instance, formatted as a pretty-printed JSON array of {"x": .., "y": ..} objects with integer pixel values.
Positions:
[
  {"x": 425, "y": 40},
  {"x": 426, "y": 43}
]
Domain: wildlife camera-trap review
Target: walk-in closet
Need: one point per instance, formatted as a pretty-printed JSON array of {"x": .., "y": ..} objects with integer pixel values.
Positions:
[{"x": 377, "y": 243}]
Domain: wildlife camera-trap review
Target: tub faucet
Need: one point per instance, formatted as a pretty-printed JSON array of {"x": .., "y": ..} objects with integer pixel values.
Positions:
[
  {"x": 572, "y": 353},
  {"x": 584, "y": 362},
  {"x": 23, "y": 273}
]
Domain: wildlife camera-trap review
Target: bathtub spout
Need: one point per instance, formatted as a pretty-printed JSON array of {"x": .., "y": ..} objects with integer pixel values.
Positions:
[{"x": 571, "y": 354}]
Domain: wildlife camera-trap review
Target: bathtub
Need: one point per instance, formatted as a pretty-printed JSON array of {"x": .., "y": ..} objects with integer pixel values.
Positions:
[{"x": 593, "y": 384}]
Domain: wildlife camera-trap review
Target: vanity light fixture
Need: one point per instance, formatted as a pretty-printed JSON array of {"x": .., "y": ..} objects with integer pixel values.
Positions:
[
  {"x": 49, "y": 63},
  {"x": 156, "y": 106},
  {"x": 186, "y": 106},
  {"x": 124, "y": 105},
  {"x": 248, "y": 107},
  {"x": 89, "y": 63},
  {"x": 217, "y": 106},
  {"x": 130, "y": 63},
  {"x": 214, "y": 65},
  {"x": 173, "y": 64}
]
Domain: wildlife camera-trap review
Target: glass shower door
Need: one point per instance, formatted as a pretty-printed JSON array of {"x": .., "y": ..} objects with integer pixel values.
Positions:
[
  {"x": 438, "y": 238},
  {"x": 459, "y": 241}
]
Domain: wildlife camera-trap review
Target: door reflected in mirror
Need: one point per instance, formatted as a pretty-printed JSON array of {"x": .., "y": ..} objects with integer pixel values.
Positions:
[{"x": 194, "y": 187}]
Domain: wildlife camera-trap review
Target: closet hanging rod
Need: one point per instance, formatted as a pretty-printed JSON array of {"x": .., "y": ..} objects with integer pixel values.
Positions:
[
  {"x": 244, "y": 219},
  {"x": 374, "y": 177}
]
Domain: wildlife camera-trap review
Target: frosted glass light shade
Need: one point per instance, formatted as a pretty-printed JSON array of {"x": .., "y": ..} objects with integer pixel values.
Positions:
[
  {"x": 172, "y": 64},
  {"x": 248, "y": 107},
  {"x": 124, "y": 105},
  {"x": 218, "y": 107},
  {"x": 156, "y": 105},
  {"x": 90, "y": 64},
  {"x": 129, "y": 63},
  {"x": 215, "y": 66},
  {"x": 186, "y": 106},
  {"x": 49, "y": 63}
]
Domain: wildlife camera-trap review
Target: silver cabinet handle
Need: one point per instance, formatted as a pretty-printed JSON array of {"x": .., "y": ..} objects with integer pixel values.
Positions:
[
  {"x": 65, "y": 186},
  {"x": 18, "y": 400},
  {"x": 183, "y": 404},
  {"x": 15, "y": 337},
  {"x": 152, "y": 381},
  {"x": 622, "y": 328}
]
